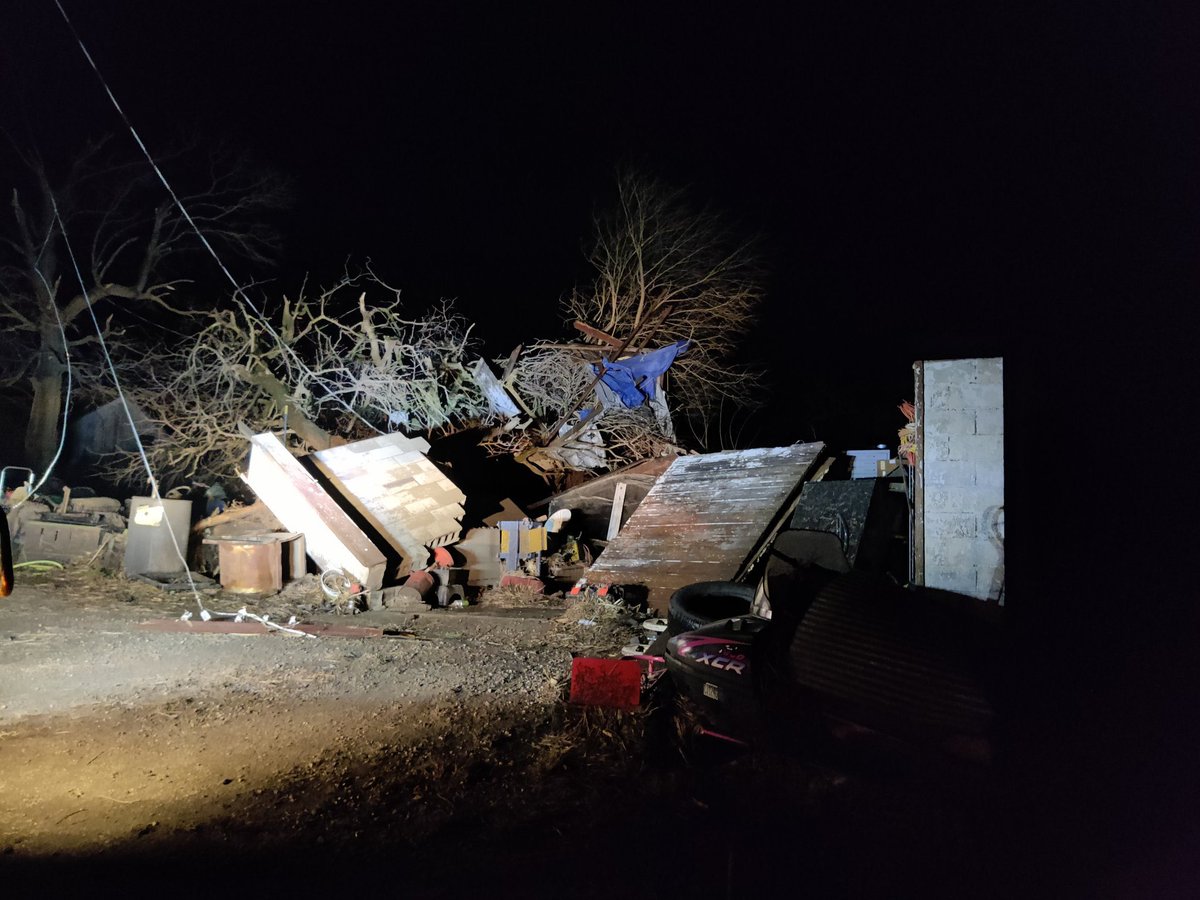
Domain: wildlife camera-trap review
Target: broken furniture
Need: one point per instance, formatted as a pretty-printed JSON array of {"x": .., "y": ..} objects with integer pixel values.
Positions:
[
  {"x": 371, "y": 508},
  {"x": 259, "y": 563}
]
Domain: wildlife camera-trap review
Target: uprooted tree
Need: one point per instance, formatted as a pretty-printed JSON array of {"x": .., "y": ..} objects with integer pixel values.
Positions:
[
  {"x": 347, "y": 361},
  {"x": 128, "y": 241}
]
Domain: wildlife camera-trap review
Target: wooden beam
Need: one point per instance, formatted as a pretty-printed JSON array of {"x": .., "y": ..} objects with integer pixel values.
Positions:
[
  {"x": 618, "y": 510},
  {"x": 597, "y": 334}
]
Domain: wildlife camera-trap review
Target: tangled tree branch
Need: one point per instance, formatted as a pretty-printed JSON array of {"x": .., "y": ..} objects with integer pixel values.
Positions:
[
  {"x": 667, "y": 268},
  {"x": 338, "y": 366}
]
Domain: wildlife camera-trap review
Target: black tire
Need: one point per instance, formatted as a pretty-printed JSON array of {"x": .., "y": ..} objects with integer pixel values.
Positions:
[{"x": 695, "y": 605}]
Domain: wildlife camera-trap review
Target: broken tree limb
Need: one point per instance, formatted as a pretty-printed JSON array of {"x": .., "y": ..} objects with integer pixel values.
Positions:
[{"x": 230, "y": 515}]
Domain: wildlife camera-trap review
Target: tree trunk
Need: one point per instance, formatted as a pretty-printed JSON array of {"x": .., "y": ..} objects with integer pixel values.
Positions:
[{"x": 41, "y": 435}]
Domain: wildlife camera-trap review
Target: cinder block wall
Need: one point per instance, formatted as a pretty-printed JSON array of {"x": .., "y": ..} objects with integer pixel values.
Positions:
[{"x": 963, "y": 473}]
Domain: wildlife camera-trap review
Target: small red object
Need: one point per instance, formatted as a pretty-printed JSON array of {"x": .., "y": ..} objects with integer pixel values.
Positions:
[
  {"x": 536, "y": 585},
  {"x": 615, "y": 683},
  {"x": 442, "y": 558}
]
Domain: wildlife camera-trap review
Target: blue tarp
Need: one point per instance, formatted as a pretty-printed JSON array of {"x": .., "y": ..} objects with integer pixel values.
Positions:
[{"x": 633, "y": 379}]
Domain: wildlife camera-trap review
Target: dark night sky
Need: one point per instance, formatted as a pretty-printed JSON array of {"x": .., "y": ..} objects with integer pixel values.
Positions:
[
  {"x": 926, "y": 185},
  {"x": 1001, "y": 180}
]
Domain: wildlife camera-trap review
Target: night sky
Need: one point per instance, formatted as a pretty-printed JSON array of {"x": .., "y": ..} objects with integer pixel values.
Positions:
[
  {"x": 924, "y": 185},
  {"x": 997, "y": 180}
]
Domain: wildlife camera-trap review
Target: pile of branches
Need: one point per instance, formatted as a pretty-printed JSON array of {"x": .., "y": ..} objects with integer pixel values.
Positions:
[
  {"x": 345, "y": 363},
  {"x": 554, "y": 385}
]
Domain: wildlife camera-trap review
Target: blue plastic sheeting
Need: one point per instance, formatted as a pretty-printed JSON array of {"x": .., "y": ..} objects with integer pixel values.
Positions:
[{"x": 633, "y": 379}]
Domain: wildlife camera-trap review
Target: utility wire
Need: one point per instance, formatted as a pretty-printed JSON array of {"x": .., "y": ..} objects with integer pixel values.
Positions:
[
  {"x": 179, "y": 552},
  {"x": 137, "y": 438},
  {"x": 204, "y": 613},
  {"x": 203, "y": 239}
]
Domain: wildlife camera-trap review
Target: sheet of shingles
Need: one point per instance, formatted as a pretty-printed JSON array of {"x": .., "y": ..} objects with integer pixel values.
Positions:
[{"x": 704, "y": 518}]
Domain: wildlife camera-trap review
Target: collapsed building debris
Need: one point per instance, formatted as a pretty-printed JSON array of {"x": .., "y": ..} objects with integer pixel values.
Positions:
[
  {"x": 333, "y": 539},
  {"x": 705, "y": 519},
  {"x": 398, "y": 492},
  {"x": 69, "y": 530}
]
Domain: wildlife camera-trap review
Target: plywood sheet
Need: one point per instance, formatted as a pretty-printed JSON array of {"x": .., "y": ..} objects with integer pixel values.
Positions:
[{"x": 705, "y": 518}]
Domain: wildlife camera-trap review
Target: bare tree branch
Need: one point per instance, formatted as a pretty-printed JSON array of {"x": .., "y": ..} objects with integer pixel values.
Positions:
[
  {"x": 351, "y": 364},
  {"x": 137, "y": 240},
  {"x": 656, "y": 257}
]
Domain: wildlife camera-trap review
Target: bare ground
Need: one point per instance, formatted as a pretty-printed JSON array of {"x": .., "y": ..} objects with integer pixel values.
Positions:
[{"x": 436, "y": 762}]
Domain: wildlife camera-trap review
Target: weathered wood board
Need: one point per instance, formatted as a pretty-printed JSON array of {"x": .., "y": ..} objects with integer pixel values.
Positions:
[{"x": 705, "y": 518}]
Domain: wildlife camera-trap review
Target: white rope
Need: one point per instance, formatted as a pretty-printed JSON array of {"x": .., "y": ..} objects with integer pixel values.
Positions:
[{"x": 204, "y": 613}]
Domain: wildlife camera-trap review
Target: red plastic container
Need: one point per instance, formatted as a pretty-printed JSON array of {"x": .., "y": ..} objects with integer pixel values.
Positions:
[{"x": 615, "y": 683}]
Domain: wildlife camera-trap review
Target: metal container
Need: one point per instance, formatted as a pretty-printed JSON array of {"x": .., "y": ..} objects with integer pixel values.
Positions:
[
  {"x": 157, "y": 540},
  {"x": 251, "y": 564},
  {"x": 416, "y": 587}
]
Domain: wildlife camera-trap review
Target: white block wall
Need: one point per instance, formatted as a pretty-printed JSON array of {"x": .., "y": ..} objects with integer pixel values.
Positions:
[{"x": 962, "y": 464}]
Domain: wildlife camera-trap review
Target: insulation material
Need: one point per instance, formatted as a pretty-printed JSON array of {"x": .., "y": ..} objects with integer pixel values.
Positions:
[{"x": 403, "y": 495}]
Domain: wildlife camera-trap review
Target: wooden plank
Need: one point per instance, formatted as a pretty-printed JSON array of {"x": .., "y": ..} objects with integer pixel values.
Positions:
[
  {"x": 704, "y": 519},
  {"x": 597, "y": 334},
  {"x": 618, "y": 510}
]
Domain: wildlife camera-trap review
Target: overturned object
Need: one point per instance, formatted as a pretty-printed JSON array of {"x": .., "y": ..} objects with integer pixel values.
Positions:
[
  {"x": 401, "y": 494},
  {"x": 615, "y": 683},
  {"x": 294, "y": 496},
  {"x": 707, "y": 518},
  {"x": 376, "y": 509}
]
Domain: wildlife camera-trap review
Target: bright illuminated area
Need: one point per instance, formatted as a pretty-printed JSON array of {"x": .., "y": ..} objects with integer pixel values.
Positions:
[{"x": 124, "y": 744}]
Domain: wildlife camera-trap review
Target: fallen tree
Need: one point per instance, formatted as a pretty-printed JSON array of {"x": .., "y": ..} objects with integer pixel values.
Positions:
[{"x": 335, "y": 365}]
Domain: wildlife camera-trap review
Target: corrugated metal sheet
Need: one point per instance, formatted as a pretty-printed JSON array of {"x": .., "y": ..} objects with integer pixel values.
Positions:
[
  {"x": 883, "y": 658},
  {"x": 705, "y": 518}
]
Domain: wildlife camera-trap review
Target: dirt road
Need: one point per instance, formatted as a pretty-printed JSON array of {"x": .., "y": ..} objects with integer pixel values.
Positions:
[
  {"x": 118, "y": 742},
  {"x": 439, "y": 761}
]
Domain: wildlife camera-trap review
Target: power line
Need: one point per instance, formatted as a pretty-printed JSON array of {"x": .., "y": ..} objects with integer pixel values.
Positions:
[{"x": 204, "y": 240}]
